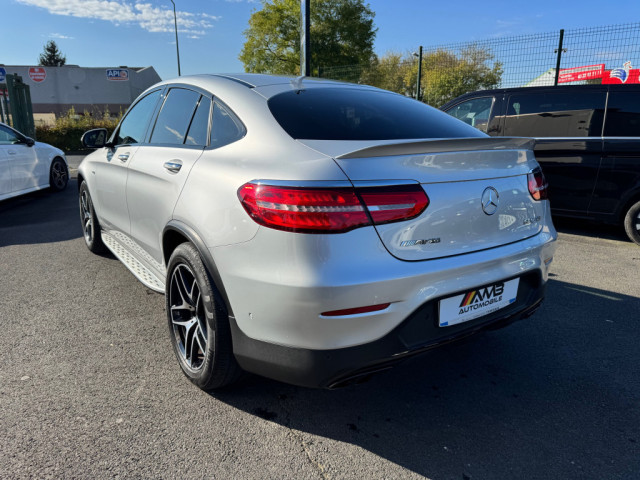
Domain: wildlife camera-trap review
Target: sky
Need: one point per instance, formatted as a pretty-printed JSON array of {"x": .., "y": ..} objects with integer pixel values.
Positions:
[{"x": 138, "y": 33}]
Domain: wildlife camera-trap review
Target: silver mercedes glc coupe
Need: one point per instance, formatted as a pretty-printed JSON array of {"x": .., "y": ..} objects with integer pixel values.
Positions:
[{"x": 311, "y": 231}]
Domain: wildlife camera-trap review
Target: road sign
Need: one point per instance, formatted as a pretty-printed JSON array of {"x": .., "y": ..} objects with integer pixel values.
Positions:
[{"x": 37, "y": 74}]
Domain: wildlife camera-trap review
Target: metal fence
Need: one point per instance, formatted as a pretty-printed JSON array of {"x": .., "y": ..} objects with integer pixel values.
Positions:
[{"x": 528, "y": 60}]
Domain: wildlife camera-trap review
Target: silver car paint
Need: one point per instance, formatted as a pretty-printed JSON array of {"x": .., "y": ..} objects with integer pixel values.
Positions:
[{"x": 279, "y": 283}]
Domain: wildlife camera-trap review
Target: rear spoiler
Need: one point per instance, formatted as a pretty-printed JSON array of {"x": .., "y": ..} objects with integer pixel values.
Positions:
[{"x": 442, "y": 146}]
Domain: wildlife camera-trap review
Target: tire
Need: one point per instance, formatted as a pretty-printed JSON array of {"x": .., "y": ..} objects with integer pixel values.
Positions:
[
  {"x": 89, "y": 221},
  {"x": 632, "y": 223},
  {"x": 198, "y": 322},
  {"x": 58, "y": 175}
]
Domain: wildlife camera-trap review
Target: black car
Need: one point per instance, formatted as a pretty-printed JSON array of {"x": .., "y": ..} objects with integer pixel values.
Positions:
[{"x": 587, "y": 141}]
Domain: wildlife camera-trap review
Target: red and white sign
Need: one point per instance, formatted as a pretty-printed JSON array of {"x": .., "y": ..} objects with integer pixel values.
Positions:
[
  {"x": 576, "y": 74},
  {"x": 626, "y": 74},
  {"x": 37, "y": 74}
]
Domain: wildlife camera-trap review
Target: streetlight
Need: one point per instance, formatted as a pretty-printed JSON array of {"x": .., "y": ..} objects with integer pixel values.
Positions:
[
  {"x": 419, "y": 55},
  {"x": 175, "y": 21}
]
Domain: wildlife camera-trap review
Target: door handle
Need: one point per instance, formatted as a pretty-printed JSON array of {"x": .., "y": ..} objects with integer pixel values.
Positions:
[
  {"x": 124, "y": 157},
  {"x": 11, "y": 152},
  {"x": 173, "y": 166}
]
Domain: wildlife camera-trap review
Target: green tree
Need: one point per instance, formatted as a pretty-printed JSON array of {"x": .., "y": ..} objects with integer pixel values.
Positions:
[
  {"x": 445, "y": 74},
  {"x": 342, "y": 33},
  {"x": 51, "y": 56}
]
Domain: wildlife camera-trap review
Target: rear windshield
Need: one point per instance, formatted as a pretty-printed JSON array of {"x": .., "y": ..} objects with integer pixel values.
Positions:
[{"x": 358, "y": 114}]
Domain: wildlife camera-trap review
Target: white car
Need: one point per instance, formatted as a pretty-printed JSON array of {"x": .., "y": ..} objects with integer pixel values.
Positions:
[{"x": 27, "y": 165}]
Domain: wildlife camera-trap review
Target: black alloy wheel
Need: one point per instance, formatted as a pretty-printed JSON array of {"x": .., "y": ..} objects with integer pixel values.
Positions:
[
  {"x": 198, "y": 322},
  {"x": 58, "y": 175}
]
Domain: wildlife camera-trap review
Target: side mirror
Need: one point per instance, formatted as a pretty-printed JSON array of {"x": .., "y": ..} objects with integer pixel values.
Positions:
[
  {"x": 96, "y": 138},
  {"x": 29, "y": 141}
]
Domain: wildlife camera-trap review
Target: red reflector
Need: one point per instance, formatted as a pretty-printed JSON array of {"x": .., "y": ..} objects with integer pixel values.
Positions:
[
  {"x": 389, "y": 204},
  {"x": 537, "y": 184},
  {"x": 295, "y": 209},
  {"x": 354, "y": 311}
]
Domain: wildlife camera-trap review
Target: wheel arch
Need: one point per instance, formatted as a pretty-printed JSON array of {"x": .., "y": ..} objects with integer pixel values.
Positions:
[
  {"x": 629, "y": 201},
  {"x": 176, "y": 233}
]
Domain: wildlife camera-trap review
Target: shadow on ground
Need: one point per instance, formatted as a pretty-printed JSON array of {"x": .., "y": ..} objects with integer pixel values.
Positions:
[
  {"x": 588, "y": 228},
  {"x": 41, "y": 217},
  {"x": 542, "y": 398}
]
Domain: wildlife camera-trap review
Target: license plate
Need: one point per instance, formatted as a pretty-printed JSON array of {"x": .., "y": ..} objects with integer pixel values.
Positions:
[{"x": 477, "y": 303}]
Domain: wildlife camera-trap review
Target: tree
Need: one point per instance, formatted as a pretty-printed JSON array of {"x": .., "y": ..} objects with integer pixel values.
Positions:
[
  {"x": 51, "y": 56},
  {"x": 445, "y": 74},
  {"x": 342, "y": 33}
]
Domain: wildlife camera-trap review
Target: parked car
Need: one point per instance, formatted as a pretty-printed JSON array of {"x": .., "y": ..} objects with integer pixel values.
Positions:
[
  {"x": 587, "y": 142},
  {"x": 27, "y": 165},
  {"x": 312, "y": 231}
]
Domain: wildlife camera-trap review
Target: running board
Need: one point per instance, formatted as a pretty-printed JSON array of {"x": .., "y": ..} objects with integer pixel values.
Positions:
[{"x": 142, "y": 273}]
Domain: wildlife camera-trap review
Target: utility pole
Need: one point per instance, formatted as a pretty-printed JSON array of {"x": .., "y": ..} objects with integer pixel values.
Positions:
[
  {"x": 305, "y": 37},
  {"x": 175, "y": 22}
]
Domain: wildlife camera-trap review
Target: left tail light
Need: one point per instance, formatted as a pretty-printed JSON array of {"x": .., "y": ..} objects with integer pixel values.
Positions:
[
  {"x": 537, "y": 184},
  {"x": 330, "y": 210}
]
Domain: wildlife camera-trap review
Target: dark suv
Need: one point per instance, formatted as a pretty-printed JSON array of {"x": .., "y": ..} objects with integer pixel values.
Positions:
[{"x": 587, "y": 141}]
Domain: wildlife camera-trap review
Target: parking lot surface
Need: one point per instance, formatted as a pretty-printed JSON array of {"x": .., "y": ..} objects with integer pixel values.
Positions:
[{"x": 89, "y": 386}]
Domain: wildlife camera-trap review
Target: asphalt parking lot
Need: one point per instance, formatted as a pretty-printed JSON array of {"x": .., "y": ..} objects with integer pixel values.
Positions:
[{"x": 89, "y": 386}]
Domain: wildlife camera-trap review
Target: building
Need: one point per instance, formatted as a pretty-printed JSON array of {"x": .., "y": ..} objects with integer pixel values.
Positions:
[{"x": 55, "y": 90}]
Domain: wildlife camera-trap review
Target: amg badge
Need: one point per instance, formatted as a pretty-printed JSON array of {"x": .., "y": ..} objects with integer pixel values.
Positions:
[{"x": 411, "y": 243}]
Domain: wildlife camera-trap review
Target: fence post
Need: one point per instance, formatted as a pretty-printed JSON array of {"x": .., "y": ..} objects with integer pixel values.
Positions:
[
  {"x": 419, "y": 73},
  {"x": 555, "y": 83}
]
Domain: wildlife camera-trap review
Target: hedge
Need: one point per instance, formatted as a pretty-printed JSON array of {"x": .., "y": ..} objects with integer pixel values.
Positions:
[{"x": 68, "y": 129}]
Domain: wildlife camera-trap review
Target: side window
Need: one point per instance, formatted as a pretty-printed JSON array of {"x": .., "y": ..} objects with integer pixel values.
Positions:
[
  {"x": 199, "y": 128},
  {"x": 225, "y": 127},
  {"x": 574, "y": 114},
  {"x": 475, "y": 112},
  {"x": 623, "y": 115},
  {"x": 8, "y": 137},
  {"x": 134, "y": 125},
  {"x": 175, "y": 116}
]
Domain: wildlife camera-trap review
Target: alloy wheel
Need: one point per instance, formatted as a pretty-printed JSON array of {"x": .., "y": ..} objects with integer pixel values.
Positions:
[
  {"x": 87, "y": 219},
  {"x": 59, "y": 175},
  {"x": 188, "y": 317}
]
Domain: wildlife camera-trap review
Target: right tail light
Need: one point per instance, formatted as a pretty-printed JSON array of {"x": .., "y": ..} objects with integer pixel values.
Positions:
[{"x": 537, "y": 184}]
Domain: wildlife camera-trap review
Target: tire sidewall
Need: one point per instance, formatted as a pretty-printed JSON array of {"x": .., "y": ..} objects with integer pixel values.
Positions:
[{"x": 93, "y": 245}]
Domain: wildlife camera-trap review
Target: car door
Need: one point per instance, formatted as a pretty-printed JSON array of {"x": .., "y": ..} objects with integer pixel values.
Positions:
[
  {"x": 619, "y": 178},
  {"x": 160, "y": 168},
  {"x": 111, "y": 169},
  {"x": 568, "y": 131},
  {"x": 22, "y": 161}
]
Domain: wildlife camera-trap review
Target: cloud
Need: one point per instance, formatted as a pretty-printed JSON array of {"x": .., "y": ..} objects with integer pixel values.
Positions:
[
  {"x": 59, "y": 36},
  {"x": 148, "y": 17}
]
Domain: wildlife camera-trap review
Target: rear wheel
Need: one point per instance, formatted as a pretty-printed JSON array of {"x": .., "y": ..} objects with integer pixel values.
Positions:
[
  {"x": 632, "y": 223},
  {"x": 58, "y": 175},
  {"x": 89, "y": 220},
  {"x": 198, "y": 322}
]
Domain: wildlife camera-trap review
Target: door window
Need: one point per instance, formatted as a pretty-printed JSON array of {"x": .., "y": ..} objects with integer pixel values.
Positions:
[
  {"x": 175, "y": 117},
  {"x": 134, "y": 125},
  {"x": 199, "y": 129},
  {"x": 623, "y": 115},
  {"x": 8, "y": 136},
  {"x": 474, "y": 112},
  {"x": 225, "y": 127},
  {"x": 573, "y": 114}
]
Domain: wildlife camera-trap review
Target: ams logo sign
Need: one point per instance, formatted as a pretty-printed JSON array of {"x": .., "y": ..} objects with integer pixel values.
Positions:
[{"x": 483, "y": 295}]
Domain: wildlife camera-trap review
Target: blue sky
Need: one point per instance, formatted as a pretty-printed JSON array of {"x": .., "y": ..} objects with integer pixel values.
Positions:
[{"x": 103, "y": 33}]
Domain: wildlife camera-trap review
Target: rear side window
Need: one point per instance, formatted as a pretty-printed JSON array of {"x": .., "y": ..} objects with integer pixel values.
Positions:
[
  {"x": 358, "y": 114},
  {"x": 474, "y": 112},
  {"x": 623, "y": 115},
  {"x": 225, "y": 127},
  {"x": 134, "y": 125},
  {"x": 175, "y": 117},
  {"x": 574, "y": 114},
  {"x": 199, "y": 128}
]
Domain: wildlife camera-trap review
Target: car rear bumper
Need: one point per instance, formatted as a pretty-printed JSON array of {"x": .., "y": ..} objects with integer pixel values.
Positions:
[{"x": 417, "y": 334}]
